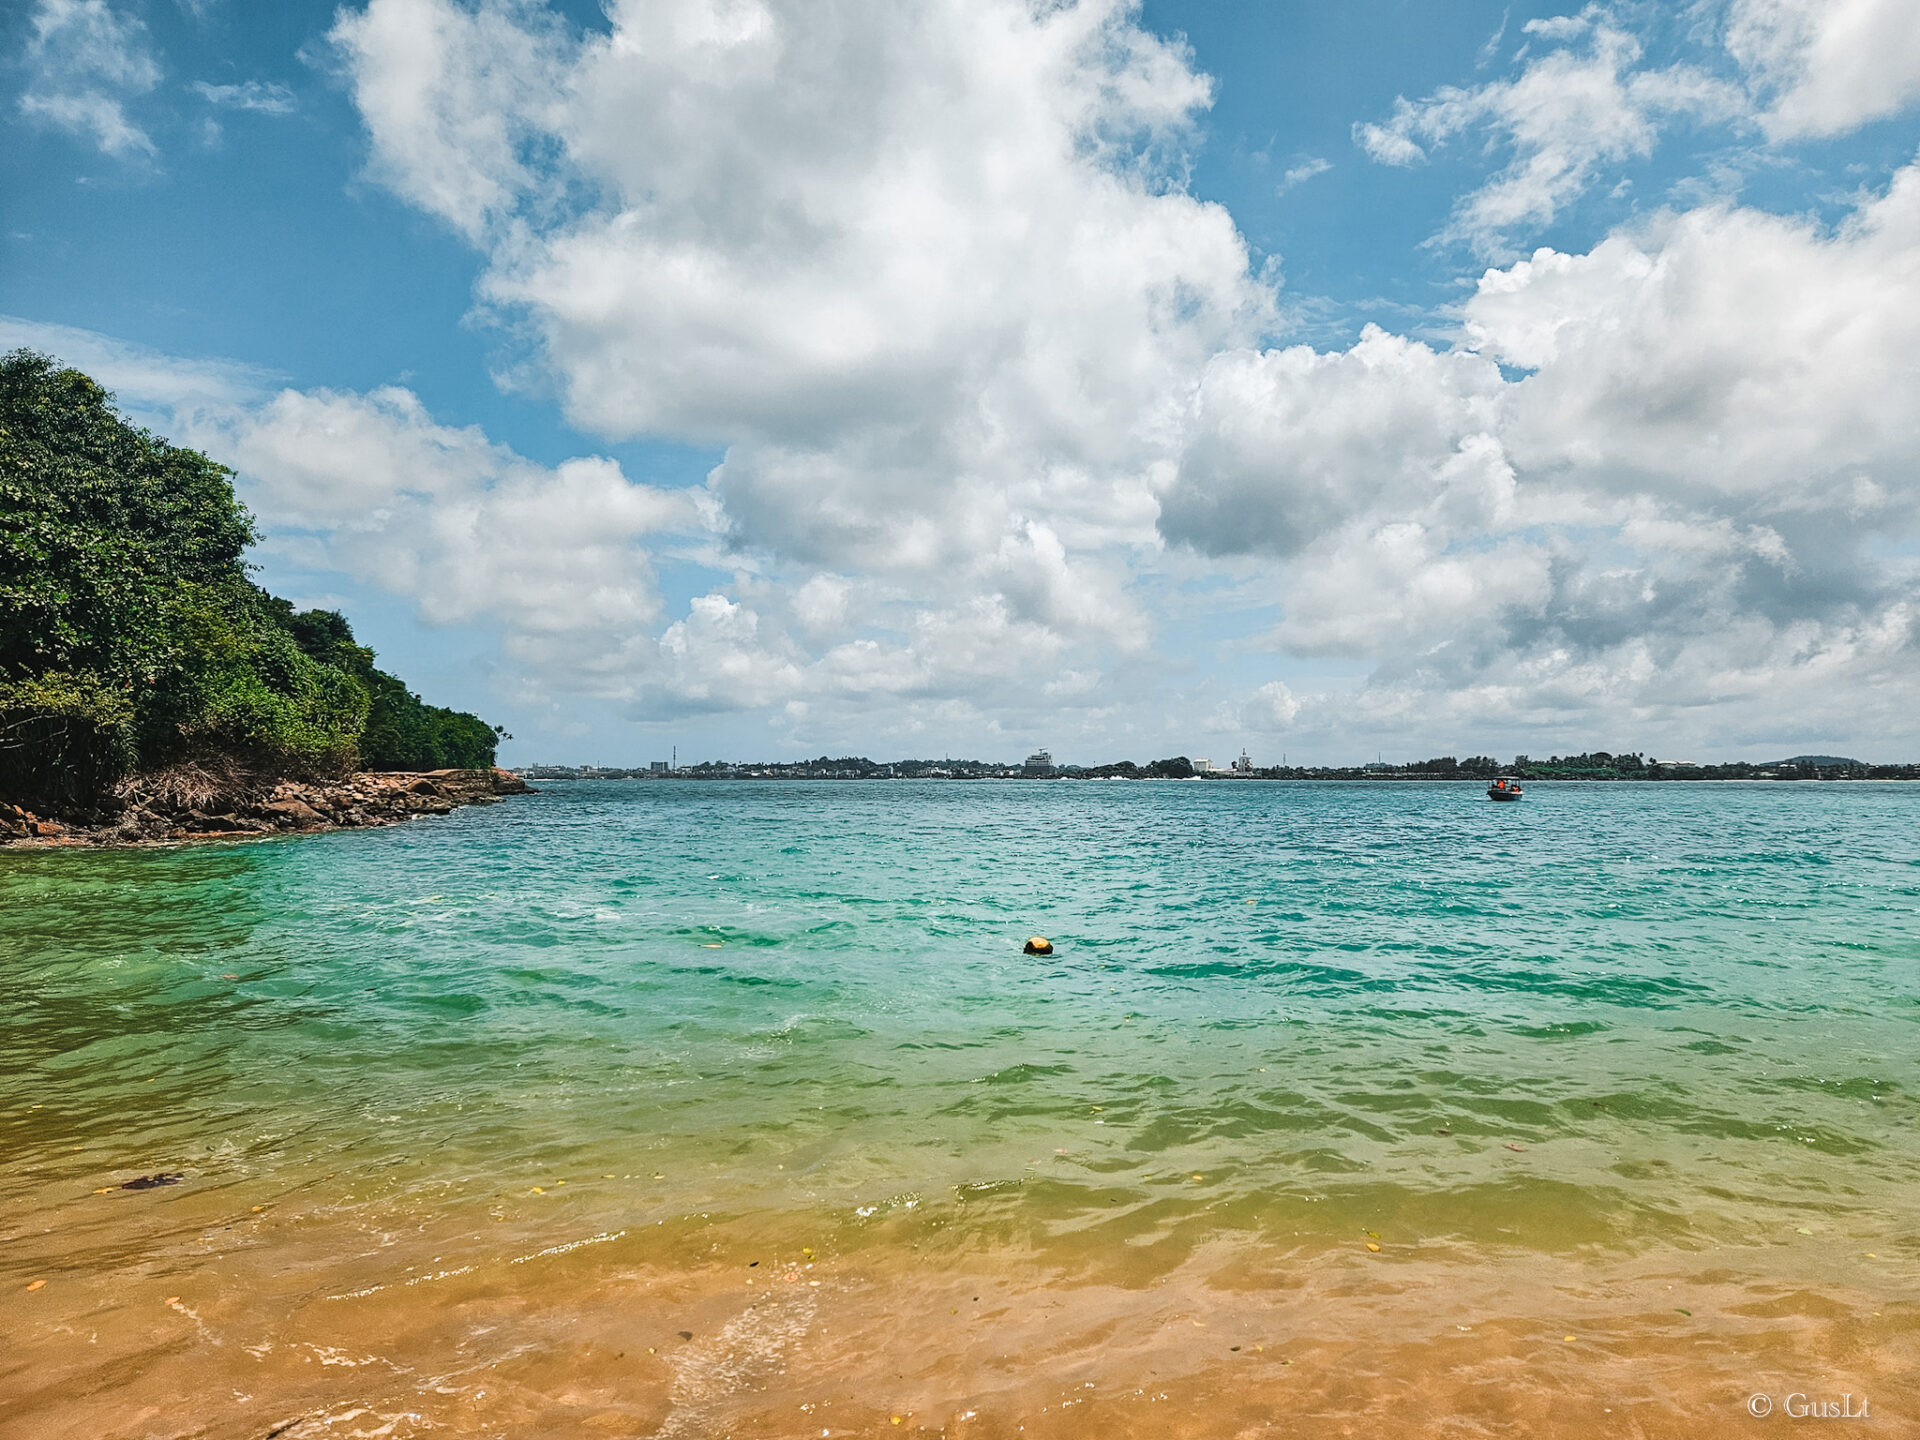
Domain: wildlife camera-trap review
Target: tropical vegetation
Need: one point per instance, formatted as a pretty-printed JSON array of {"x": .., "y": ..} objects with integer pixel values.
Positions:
[{"x": 132, "y": 636}]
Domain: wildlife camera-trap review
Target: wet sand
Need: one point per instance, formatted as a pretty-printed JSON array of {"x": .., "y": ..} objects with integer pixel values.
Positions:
[{"x": 192, "y": 1314}]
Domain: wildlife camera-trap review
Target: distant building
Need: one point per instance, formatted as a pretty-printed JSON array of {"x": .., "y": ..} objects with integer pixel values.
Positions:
[
  {"x": 658, "y": 767},
  {"x": 1244, "y": 765},
  {"x": 1038, "y": 763},
  {"x": 1203, "y": 767}
]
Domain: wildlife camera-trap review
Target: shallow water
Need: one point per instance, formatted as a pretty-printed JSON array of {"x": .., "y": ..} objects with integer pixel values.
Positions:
[{"x": 731, "y": 1108}]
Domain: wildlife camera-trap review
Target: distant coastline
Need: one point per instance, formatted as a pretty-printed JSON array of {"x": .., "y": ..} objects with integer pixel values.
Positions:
[{"x": 1595, "y": 766}]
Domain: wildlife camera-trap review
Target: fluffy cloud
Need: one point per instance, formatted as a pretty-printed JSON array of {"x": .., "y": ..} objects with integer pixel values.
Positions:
[
  {"x": 1580, "y": 106},
  {"x": 1269, "y": 710},
  {"x": 455, "y": 101},
  {"x": 985, "y": 375},
  {"x": 85, "y": 60},
  {"x": 1286, "y": 446},
  {"x": 371, "y": 486},
  {"x": 1699, "y": 500},
  {"x": 1829, "y": 65},
  {"x": 1725, "y": 357},
  {"x": 927, "y": 273}
]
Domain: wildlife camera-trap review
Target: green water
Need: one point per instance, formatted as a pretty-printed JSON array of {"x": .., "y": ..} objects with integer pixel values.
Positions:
[{"x": 1694, "y": 1008}]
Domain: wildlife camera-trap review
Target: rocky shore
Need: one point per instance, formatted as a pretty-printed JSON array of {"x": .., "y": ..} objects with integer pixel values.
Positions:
[{"x": 162, "y": 815}]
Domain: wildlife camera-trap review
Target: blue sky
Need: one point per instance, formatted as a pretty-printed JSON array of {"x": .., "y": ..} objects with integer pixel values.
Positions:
[{"x": 770, "y": 379}]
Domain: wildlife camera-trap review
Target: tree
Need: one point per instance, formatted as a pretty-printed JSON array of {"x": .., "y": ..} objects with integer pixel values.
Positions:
[{"x": 131, "y": 635}]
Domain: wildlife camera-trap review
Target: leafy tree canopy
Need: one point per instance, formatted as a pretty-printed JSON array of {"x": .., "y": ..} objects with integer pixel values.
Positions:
[{"x": 131, "y": 635}]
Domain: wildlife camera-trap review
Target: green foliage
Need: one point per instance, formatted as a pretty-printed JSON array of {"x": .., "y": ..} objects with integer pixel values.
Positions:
[
  {"x": 402, "y": 732},
  {"x": 63, "y": 737},
  {"x": 1593, "y": 765},
  {"x": 131, "y": 635}
]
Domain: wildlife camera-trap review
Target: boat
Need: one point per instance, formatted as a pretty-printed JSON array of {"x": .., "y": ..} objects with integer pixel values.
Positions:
[{"x": 1507, "y": 787}]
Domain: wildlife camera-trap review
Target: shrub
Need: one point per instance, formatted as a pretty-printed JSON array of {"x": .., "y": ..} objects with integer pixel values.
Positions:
[{"x": 131, "y": 636}]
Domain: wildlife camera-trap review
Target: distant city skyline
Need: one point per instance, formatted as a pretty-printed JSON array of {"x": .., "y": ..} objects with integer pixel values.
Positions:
[{"x": 1115, "y": 379}]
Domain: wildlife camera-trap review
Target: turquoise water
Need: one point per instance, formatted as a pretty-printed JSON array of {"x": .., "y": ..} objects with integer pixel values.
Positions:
[
  {"x": 1694, "y": 1007},
  {"x": 683, "y": 1109}
]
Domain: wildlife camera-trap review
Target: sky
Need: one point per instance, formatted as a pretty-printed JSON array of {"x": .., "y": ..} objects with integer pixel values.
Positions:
[{"x": 770, "y": 378}]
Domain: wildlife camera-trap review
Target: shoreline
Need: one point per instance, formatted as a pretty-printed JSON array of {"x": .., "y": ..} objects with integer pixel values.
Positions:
[
  {"x": 363, "y": 800},
  {"x": 1239, "y": 779}
]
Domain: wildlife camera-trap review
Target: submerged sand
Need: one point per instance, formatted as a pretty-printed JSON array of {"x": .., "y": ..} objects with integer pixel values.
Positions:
[{"x": 200, "y": 1316}]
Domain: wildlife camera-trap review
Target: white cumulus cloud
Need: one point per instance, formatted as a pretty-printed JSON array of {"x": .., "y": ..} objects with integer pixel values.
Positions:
[
  {"x": 992, "y": 387},
  {"x": 1697, "y": 506},
  {"x": 370, "y": 485},
  {"x": 928, "y": 273},
  {"x": 1828, "y": 65}
]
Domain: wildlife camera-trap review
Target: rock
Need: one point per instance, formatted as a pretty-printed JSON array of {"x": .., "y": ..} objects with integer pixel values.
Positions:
[
  {"x": 153, "y": 1182},
  {"x": 294, "y": 812},
  {"x": 364, "y": 799}
]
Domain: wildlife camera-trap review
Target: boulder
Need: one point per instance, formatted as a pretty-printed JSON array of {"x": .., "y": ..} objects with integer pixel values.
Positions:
[{"x": 295, "y": 813}]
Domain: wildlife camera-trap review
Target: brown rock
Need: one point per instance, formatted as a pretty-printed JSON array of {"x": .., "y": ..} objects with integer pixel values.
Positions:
[
  {"x": 46, "y": 828},
  {"x": 294, "y": 812}
]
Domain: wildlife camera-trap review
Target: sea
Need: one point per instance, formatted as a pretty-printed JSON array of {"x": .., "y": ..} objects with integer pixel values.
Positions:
[{"x": 709, "y": 1109}]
